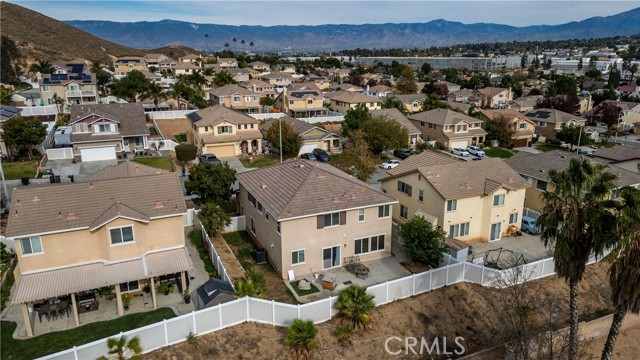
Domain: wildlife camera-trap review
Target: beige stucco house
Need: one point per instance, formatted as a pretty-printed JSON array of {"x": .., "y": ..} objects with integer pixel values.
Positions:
[
  {"x": 342, "y": 101},
  {"x": 310, "y": 216},
  {"x": 522, "y": 127},
  {"x": 301, "y": 100},
  {"x": 260, "y": 66},
  {"x": 312, "y": 136},
  {"x": 495, "y": 97},
  {"x": 76, "y": 86},
  {"x": 629, "y": 112},
  {"x": 263, "y": 88},
  {"x": 450, "y": 128},
  {"x": 74, "y": 238},
  {"x": 224, "y": 132},
  {"x": 550, "y": 121},
  {"x": 525, "y": 103},
  {"x": 279, "y": 80},
  {"x": 625, "y": 157},
  {"x": 415, "y": 136},
  {"x": 235, "y": 97},
  {"x": 123, "y": 65},
  {"x": 471, "y": 200},
  {"x": 228, "y": 63},
  {"x": 412, "y": 102}
]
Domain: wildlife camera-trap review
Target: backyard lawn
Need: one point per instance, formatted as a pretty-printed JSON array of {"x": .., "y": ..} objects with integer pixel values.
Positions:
[
  {"x": 181, "y": 138},
  {"x": 294, "y": 286},
  {"x": 242, "y": 246},
  {"x": 260, "y": 161},
  {"x": 162, "y": 162},
  {"x": 546, "y": 147},
  {"x": 57, "y": 341},
  {"x": 19, "y": 169},
  {"x": 498, "y": 152}
]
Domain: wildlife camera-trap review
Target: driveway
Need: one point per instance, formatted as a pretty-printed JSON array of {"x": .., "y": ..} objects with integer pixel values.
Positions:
[
  {"x": 80, "y": 170},
  {"x": 374, "y": 180},
  {"x": 234, "y": 163}
]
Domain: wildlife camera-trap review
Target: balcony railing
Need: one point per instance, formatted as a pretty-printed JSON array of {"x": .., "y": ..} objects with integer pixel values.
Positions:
[{"x": 83, "y": 93}]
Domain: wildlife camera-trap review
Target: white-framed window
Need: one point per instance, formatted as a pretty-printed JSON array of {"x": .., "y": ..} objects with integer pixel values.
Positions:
[
  {"x": 226, "y": 129},
  {"x": 236, "y": 99},
  {"x": 541, "y": 185},
  {"x": 495, "y": 231},
  {"x": 45, "y": 87},
  {"x": 458, "y": 230},
  {"x": 266, "y": 215},
  {"x": 121, "y": 235},
  {"x": 278, "y": 227},
  {"x": 513, "y": 218},
  {"x": 383, "y": 211},
  {"x": 369, "y": 244},
  {"x": 253, "y": 226},
  {"x": 462, "y": 128},
  {"x": 332, "y": 219},
  {"x": 259, "y": 207},
  {"x": 139, "y": 141},
  {"x": 251, "y": 199},
  {"x": 498, "y": 200},
  {"x": 104, "y": 128},
  {"x": 404, "y": 188},
  {"x": 360, "y": 215},
  {"x": 297, "y": 257},
  {"x": 522, "y": 126},
  {"x": 452, "y": 205},
  {"x": 404, "y": 212},
  {"x": 81, "y": 128},
  {"x": 31, "y": 245},
  {"x": 421, "y": 195},
  {"x": 130, "y": 286}
]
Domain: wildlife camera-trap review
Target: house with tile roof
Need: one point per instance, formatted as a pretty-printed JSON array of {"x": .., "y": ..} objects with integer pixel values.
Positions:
[
  {"x": 449, "y": 128},
  {"x": 471, "y": 200},
  {"x": 310, "y": 216},
  {"x": 228, "y": 63},
  {"x": 123, "y": 65},
  {"x": 379, "y": 91},
  {"x": 412, "y": 102},
  {"x": 236, "y": 97},
  {"x": 535, "y": 168},
  {"x": 342, "y": 101},
  {"x": 313, "y": 137},
  {"x": 104, "y": 131},
  {"x": 263, "y": 88},
  {"x": 550, "y": 121},
  {"x": 625, "y": 157},
  {"x": 224, "y": 132},
  {"x": 522, "y": 127},
  {"x": 301, "y": 100},
  {"x": 71, "y": 239},
  {"x": 415, "y": 136},
  {"x": 320, "y": 81},
  {"x": 495, "y": 97},
  {"x": 525, "y": 103},
  {"x": 279, "y": 80},
  {"x": 629, "y": 112},
  {"x": 73, "y": 83},
  {"x": 260, "y": 66}
]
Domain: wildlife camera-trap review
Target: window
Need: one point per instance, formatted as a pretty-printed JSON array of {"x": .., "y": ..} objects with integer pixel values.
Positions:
[
  {"x": 513, "y": 218},
  {"x": 252, "y": 125},
  {"x": 31, "y": 245},
  {"x": 236, "y": 99},
  {"x": 461, "y": 128},
  {"x": 495, "y": 232},
  {"x": 121, "y": 235},
  {"x": 498, "y": 200},
  {"x": 527, "y": 179},
  {"x": 130, "y": 286},
  {"x": 541, "y": 185},
  {"x": 45, "y": 88},
  {"x": 290, "y": 102},
  {"x": 253, "y": 226},
  {"x": 259, "y": 207},
  {"x": 422, "y": 123},
  {"x": 458, "y": 230},
  {"x": 432, "y": 126},
  {"x": 266, "y": 215},
  {"x": 452, "y": 205},
  {"x": 404, "y": 188},
  {"x": 278, "y": 227},
  {"x": 421, "y": 195},
  {"x": 383, "y": 211},
  {"x": 104, "y": 128},
  {"x": 404, "y": 212},
  {"x": 522, "y": 126},
  {"x": 252, "y": 199},
  {"x": 139, "y": 141},
  {"x": 297, "y": 257},
  {"x": 81, "y": 128},
  {"x": 360, "y": 215},
  {"x": 224, "y": 129},
  {"x": 365, "y": 245},
  {"x": 310, "y": 102},
  {"x": 542, "y": 124},
  {"x": 332, "y": 219}
]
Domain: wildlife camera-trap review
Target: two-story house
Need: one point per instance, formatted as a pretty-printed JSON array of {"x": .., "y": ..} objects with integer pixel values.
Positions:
[
  {"x": 379, "y": 91},
  {"x": 73, "y": 88},
  {"x": 412, "y": 102},
  {"x": 228, "y": 63},
  {"x": 310, "y": 216},
  {"x": 260, "y": 66},
  {"x": 104, "y": 131},
  {"x": 449, "y": 128},
  {"x": 185, "y": 68},
  {"x": 312, "y": 136},
  {"x": 71, "y": 239},
  {"x": 471, "y": 200},
  {"x": 153, "y": 60},
  {"x": 279, "y": 80},
  {"x": 123, "y": 65},
  {"x": 522, "y": 127},
  {"x": 342, "y": 101},
  {"x": 625, "y": 157},
  {"x": 263, "y": 88},
  {"x": 320, "y": 81},
  {"x": 301, "y": 100},
  {"x": 286, "y": 68},
  {"x": 525, "y": 103},
  {"x": 495, "y": 97},
  {"x": 190, "y": 58},
  {"x": 550, "y": 121},
  {"x": 235, "y": 97},
  {"x": 629, "y": 112},
  {"x": 415, "y": 136},
  {"x": 224, "y": 132}
]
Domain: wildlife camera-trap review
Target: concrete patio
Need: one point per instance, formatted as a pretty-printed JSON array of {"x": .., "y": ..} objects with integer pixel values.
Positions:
[{"x": 527, "y": 245}]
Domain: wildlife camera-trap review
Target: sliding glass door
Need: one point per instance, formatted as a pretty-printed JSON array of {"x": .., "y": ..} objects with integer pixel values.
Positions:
[{"x": 331, "y": 257}]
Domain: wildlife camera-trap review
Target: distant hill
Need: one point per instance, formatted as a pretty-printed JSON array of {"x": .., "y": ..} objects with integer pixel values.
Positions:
[{"x": 147, "y": 35}]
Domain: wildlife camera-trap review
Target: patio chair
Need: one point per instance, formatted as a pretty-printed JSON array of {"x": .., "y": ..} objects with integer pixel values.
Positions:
[{"x": 53, "y": 314}]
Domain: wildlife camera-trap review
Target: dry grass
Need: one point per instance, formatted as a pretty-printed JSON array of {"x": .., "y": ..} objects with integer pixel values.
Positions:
[{"x": 172, "y": 127}]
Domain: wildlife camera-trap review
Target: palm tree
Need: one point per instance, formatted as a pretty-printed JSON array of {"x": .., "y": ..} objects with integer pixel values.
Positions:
[
  {"x": 178, "y": 89},
  {"x": 59, "y": 102},
  {"x": 213, "y": 217},
  {"x": 42, "y": 67},
  {"x": 570, "y": 224},
  {"x": 251, "y": 44},
  {"x": 234, "y": 43},
  {"x": 246, "y": 287},
  {"x": 353, "y": 304},
  {"x": 196, "y": 79},
  {"x": 633, "y": 69},
  {"x": 154, "y": 92},
  {"x": 224, "y": 78},
  {"x": 242, "y": 43},
  {"x": 624, "y": 273},
  {"x": 120, "y": 349},
  {"x": 302, "y": 338},
  {"x": 226, "y": 45},
  {"x": 95, "y": 66},
  {"x": 206, "y": 37}
]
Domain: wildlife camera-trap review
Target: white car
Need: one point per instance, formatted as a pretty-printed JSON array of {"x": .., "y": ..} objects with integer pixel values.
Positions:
[
  {"x": 475, "y": 150},
  {"x": 459, "y": 151},
  {"x": 387, "y": 165}
]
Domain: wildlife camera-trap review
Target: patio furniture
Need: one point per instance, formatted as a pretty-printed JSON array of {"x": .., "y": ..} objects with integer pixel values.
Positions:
[
  {"x": 329, "y": 281},
  {"x": 354, "y": 266}
]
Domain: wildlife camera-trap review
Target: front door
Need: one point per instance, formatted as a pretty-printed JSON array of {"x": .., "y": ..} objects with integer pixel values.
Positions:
[{"x": 331, "y": 257}]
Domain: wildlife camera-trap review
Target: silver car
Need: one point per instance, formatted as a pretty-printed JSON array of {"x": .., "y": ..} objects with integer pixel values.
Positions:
[
  {"x": 459, "y": 151},
  {"x": 475, "y": 150}
]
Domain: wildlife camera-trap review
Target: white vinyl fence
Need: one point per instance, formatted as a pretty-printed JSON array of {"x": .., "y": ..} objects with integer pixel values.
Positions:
[
  {"x": 264, "y": 116},
  {"x": 322, "y": 119},
  {"x": 172, "y": 114},
  {"x": 61, "y": 153},
  {"x": 39, "y": 110},
  {"x": 163, "y": 144}
]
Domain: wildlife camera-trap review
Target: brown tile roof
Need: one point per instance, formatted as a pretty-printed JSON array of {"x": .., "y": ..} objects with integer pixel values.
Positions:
[
  {"x": 130, "y": 118},
  {"x": 231, "y": 89},
  {"x": 442, "y": 117},
  {"x": 409, "y": 98},
  {"x": 276, "y": 75},
  {"x": 60, "y": 207},
  {"x": 460, "y": 106},
  {"x": 214, "y": 115},
  {"x": 618, "y": 153},
  {"x": 124, "y": 169},
  {"x": 491, "y": 91},
  {"x": 395, "y": 115},
  {"x": 552, "y": 116},
  {"x": 117, "y": 210},
  {"x": 527, "y": 100},
  {"x": 424, "y": 159},
  {"x": 302, "y": 188},
  {"x": 353, "y": 97},
  {"x": 299, "y": 127},
  {"x": 67, "y": 280}
]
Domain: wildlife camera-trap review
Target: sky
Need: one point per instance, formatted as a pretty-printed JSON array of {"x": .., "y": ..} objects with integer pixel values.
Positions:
[{"x": 304, "y": 12}]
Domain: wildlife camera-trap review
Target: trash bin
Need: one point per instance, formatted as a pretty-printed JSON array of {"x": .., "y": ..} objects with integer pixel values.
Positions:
[
  {"x": 261, "y": 256},
  {"x": 52, "y": 179},
  {"x": 70, "y": 178},
  {"x": 57, "y": 177},
  {"x": 25, "y": 181}
]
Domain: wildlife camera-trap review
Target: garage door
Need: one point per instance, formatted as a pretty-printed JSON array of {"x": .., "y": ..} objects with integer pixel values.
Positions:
[
  {"x": 521, "y": 143},
  {"x": 98, "y": 153},
  {"x": 307, "y": 149},
  {"x": 458, "y": 144},
  {"x": 222, "y": 150}
]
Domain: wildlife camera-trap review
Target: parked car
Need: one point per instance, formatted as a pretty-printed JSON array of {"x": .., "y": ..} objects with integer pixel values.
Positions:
[
  {"x": 308, "y": 156},
  {"x": 477, "y": 158},
  {"x": 321, "y": 155},
  {"x": 387, "y": 165},
  {"x": 589, "y": 153},
  {"x": 209, "y": 159},
  {"x": 459, "y": 151},
  {"x": 529, "y": 225},
  {"x": 474, "y": 150},
  {"x": 402, "y": 153}
]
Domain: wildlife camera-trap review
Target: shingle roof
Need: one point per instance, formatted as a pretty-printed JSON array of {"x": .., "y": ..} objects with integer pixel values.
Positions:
[
  {"x": 130, "y": 118},
  {"x": 528, "y": 100},
  {"x": 409, "y": 98},
  {"x": 552, "y": 116},
  {"x": 442, "y": 117},
  {"x": 124, "y": 169},
  {"x": 618, "y": 153},
  {"x": 276, "y": 75},
  {"x": 214, "y": 115},
  {"x": 353, "y": 97},
  {"x": 299, "y": 126},
  {"x": 47, "y": 208},
  {"x": 424, "y": 159},
  {"x": 395, "y": 115},
  {"x": 231, "y": 89},
  {"x": 491, "y": 91},
  {"x": 303, "y": 188}
]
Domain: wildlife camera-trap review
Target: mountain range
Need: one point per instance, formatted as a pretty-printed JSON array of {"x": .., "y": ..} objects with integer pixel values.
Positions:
[{"x": 147, "y": 35}]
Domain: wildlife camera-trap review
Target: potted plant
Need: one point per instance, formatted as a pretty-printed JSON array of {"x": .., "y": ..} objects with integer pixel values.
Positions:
[
  {"x": 146, "y": 289},
  {"x": 126, "y": 300},
  {"x": 187, "y": 297},
  {"x": 165, "y": 288}
]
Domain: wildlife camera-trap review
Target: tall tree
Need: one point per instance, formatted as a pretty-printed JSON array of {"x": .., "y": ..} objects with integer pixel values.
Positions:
[
  {"x": 633, "y": 69},
  {"x": 234, "y": 43},
  {"x": 355, "y": 118},
  {"x": 212, "y": 183},
  {"x": 155, "y": 93},
  {"x": 499, "y": 129},
  {"x": 422, "y": 241},
  {"x": 291, "y": 140},
  {"x": 251, "y": 45},
  {"x": 568, "y": 103},
  {"x": 21, "y": 134},
  {"x": 392, "y": 102},
  {"x": 384, "y": 134},
  {"x": 42, "y": 67},
  {"x": 432, "y": 101},
  {"x": 223, "y": 78},
  {"x": 407, "y": 82},
  {"x": 130, "y": 86},
  {"x": 572, "y": 135},
  {"x": 121, "y": 349},
  {"x": 570, "y": 225},
  {"x": 608, "y": 113},
  {"x": 59, "y": 102},
  {"x": 242, "y": 42},
  {"x": 10, "y": 61},
  {"x": 358, "y": 155}
]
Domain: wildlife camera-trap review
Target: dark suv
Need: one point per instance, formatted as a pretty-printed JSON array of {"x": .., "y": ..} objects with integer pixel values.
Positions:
[
  {"x": 209, "y": 159},
  {"x": 402, "y": 154},
  {"x": 321, "y": 155}
]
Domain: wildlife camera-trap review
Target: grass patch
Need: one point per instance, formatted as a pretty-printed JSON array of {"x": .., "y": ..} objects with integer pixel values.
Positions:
[
  {"x": 196, "y": 239},
  {"x": 260, "y": 161},
  {"x": 294, "y": 286},
  {"x": 180, "y": 138},
  {"x": 546, "y": 147},
  {"x": 162, "y": 162},
  {"x": 19, "y": 169},
  {"x": 607, "y": 145},
  {"x": 498, "y": 152},
  {"x": 242, "y": 246},
  {"x": 57, "y": 341},
  {"x": 6, "y": 291}
]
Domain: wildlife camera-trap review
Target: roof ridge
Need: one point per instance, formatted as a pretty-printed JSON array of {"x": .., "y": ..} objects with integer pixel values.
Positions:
[{"x": 307, "y": 177}]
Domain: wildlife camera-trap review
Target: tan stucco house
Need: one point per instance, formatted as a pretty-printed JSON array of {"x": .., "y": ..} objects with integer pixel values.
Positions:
[
  {"x": 471, "y": 200},
  {"x": 279, "y": 80},
  {"x": 523, "y": 128},
  {"x": 263, "y": 88},
  {"x": 301, "y": 100},
  {"x": 224, "y": 132},
  {"x": 123, "y": 65},
  {"x": 228, "y": 63},
  {"x": 235, "y": 97},
  {"x": 412, "y": 102},
  {"x": 449, "y": 128},
  {"x": 342, "y": 101},
  {"x": 415, "y": 136},
  {"x": 74, "y": 238},
  {"x": 75, "y": 84},
  {"x": 310, "y": 216},
  {"x": 312, "y": 136},
  {"x": 104, "y": 131},
  {"x": 260, "y": 66},
  {"x": 550, "y": 121},
  {"x": 495, "y": 97},
  {"x": 625, "y": 157}
]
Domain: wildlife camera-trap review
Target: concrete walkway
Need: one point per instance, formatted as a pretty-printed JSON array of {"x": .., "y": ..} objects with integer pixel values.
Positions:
[
  {"x": 527, "y": 245},
  {"x": 234, "y": 163}
]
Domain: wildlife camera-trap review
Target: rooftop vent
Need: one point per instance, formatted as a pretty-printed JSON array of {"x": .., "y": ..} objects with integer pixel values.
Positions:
[
  {"x": 263, "y": 186},
  {"x": 158, "y": 205},
  {"x": 36, "y": 199},
  {"x": 71, "y": 216}
]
